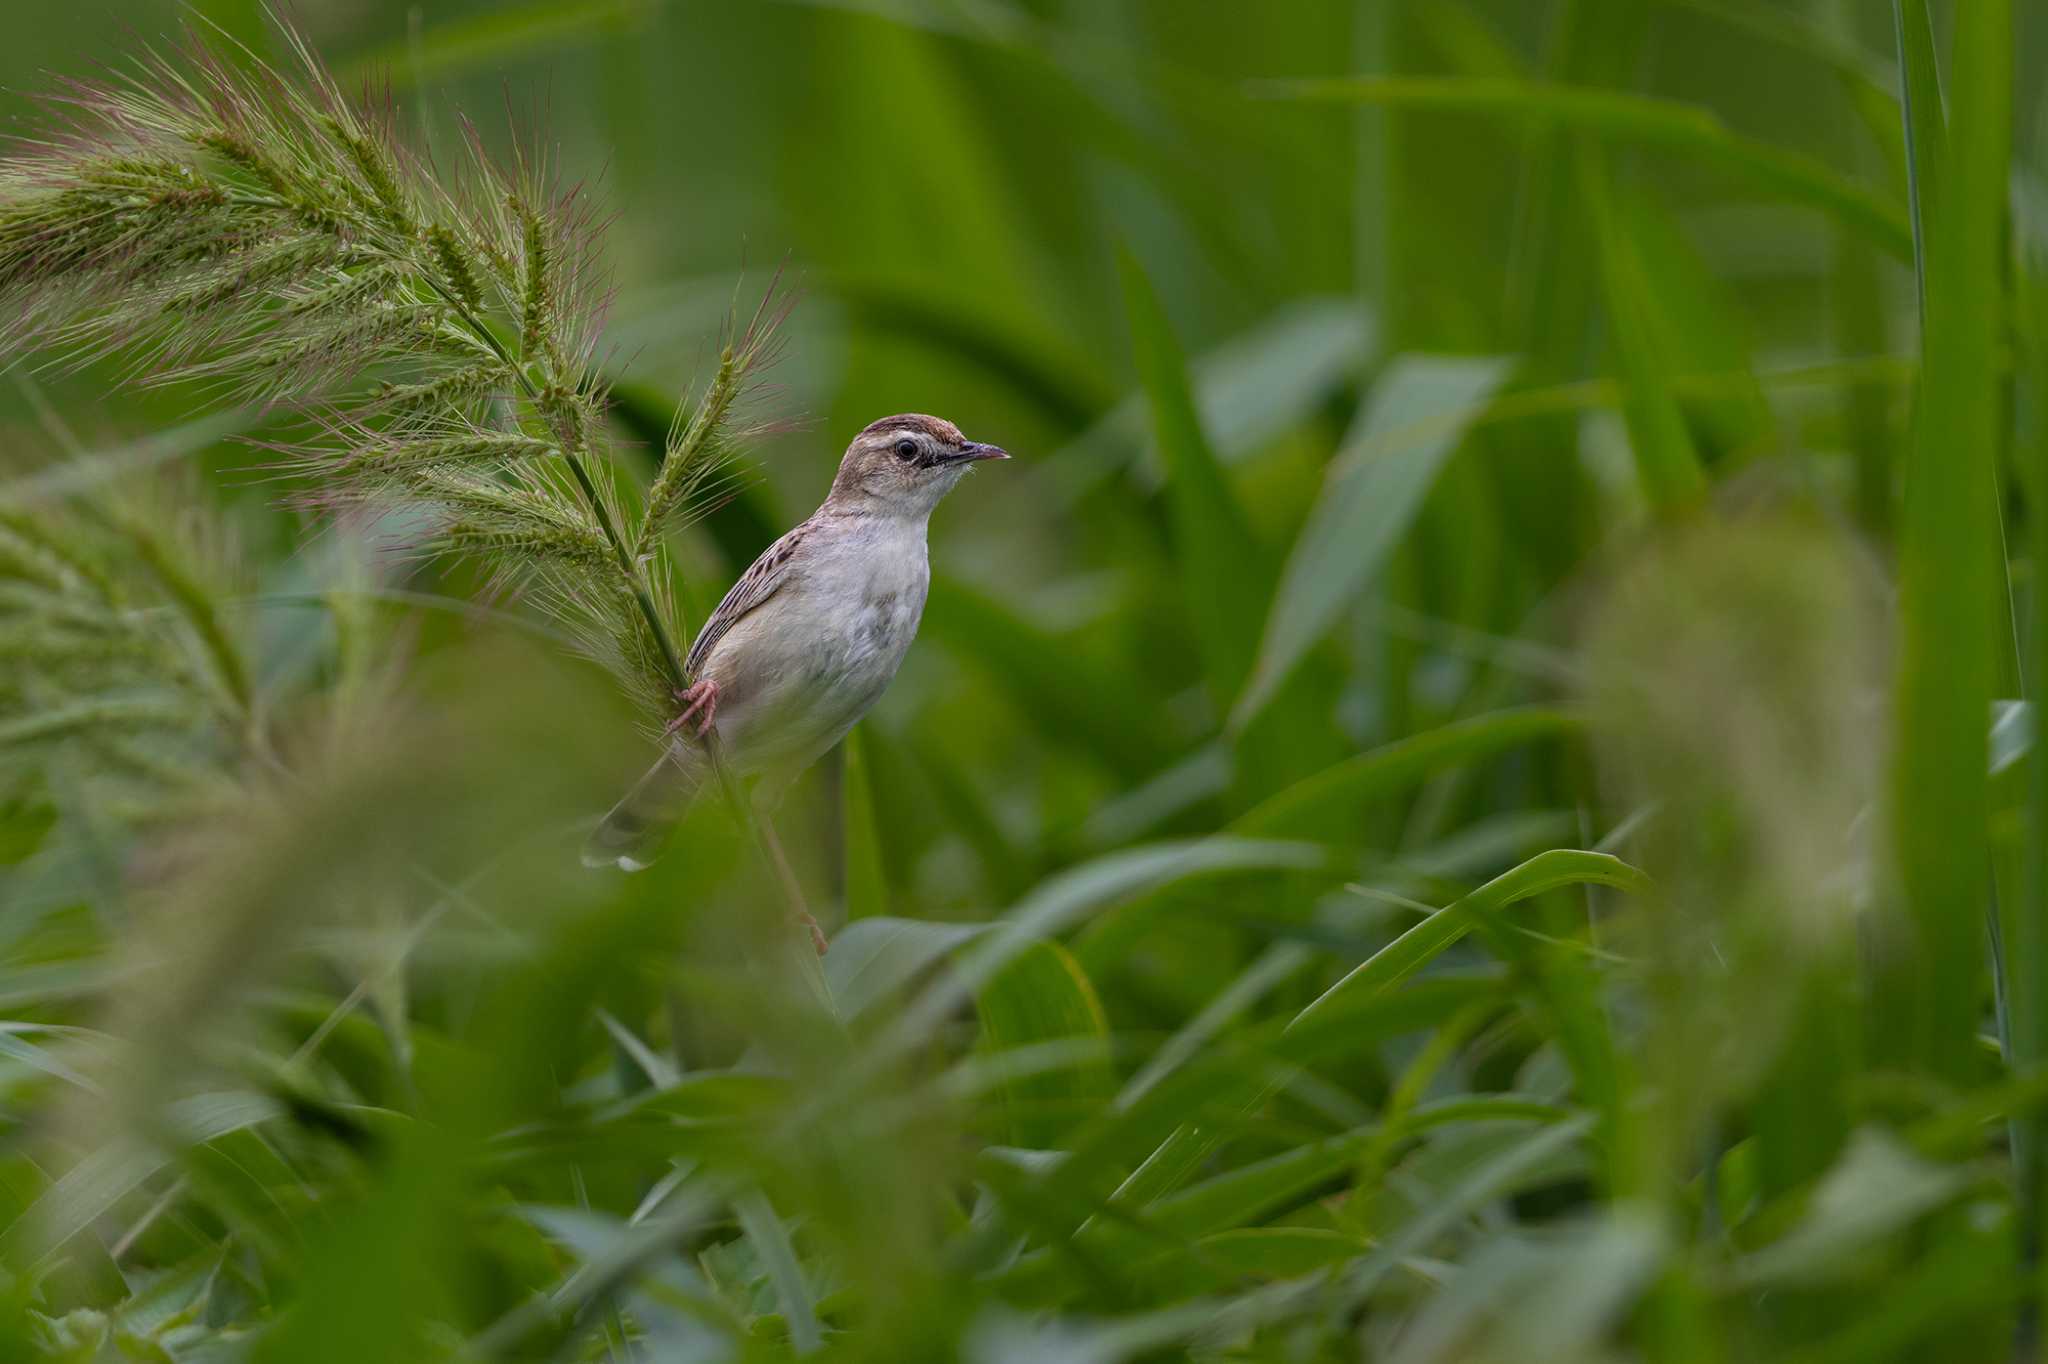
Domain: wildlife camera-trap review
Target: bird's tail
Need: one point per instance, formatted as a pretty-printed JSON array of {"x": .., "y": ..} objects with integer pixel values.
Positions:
[{"x": 629, "y": 837}]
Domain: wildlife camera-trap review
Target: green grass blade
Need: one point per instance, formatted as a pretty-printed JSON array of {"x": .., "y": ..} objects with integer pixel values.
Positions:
[
  {"x": 1666, "y": 463},
  {"x": 1949, "y": 590},
  {"x": 866, "y": 883},
  {"x": 1249, "y": 389},
  {"x": 1926, "y": 125},
  {"x": 1699, "y": 326},
  {"x": 1858, "y": 319},
  {"x": 1327, "y": 805},
  {"x": 1226, "y": 1202},
  {"x": 1257, "y": 1190},
  {"x": 1415, "y": 419},
  {"x": 1421, "y": 944},
  {"x": 1490, "y": 1181},
  {"x": 1167, "y": 1131},
  {"x": 872, "y": 958},
  {"x": 1056, "y": 906},
  {"x": 1043, "y": 995},
  {"x": 1876, "y": 1189},
  {"x": 1276, "y": 1252},
  {"x": 95, "y": 1184},
  {"x": 1641, "y": 119},
  {"x": 1277, "y": 964},
  {"x": 771, "y": 1242},
  {"x": 13, "y": 1047},
  {"x": 2017, "y": 727},
  {"x": 1951, "y": 1292},
  {"x": 1066, "y": 898},
  {"x": 1222, "y": 567}
]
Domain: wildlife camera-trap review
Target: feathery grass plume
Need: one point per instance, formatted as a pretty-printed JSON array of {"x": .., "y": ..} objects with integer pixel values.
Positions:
[
  {"x": 1736, "y": 672},
  {"x": 209, "y": 220},
  {"x": 701, "y": 442},
  {"x": 118, "y": 657}
]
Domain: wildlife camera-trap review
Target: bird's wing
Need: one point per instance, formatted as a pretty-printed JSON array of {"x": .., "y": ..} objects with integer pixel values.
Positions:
[
  {"x": 763, "y": 578},
  {"x": 631, "y": 836}
]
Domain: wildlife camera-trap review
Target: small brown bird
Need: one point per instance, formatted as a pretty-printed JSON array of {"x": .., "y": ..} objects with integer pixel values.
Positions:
[{"x": 811, "y": 634}]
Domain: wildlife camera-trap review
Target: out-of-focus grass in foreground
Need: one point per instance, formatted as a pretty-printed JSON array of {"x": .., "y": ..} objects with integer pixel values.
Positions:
[{"x": 1469, "y": 796}]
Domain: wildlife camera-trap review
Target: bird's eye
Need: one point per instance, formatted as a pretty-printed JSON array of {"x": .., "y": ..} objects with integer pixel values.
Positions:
[{"x": 905, "y": 448}]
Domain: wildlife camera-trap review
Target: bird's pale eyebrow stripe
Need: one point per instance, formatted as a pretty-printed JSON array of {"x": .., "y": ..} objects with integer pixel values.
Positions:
[{"x": 915, "y": 424}]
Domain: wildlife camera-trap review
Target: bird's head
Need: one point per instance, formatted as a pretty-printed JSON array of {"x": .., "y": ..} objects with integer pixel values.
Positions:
[{"x": 907, "y": 463}]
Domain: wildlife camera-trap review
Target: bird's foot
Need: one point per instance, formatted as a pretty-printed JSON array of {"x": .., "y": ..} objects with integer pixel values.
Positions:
[
  {"x": 817, "y": 933},
  {"x": 699, "y": 698}
]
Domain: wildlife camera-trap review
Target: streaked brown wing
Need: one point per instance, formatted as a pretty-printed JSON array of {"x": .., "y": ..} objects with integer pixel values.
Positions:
[{"x": 760, "y": 582}]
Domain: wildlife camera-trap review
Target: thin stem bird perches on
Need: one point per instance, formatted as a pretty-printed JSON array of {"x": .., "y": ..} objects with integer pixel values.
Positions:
[{"x": 209, "y": 219}]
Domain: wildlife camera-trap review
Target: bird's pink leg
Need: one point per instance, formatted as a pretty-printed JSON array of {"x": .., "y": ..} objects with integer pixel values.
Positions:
[{"x": 700, "y": 696}]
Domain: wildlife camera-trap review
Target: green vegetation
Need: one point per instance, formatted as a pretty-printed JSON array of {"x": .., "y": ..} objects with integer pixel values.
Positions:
[{"x": 1469, "y": 796}]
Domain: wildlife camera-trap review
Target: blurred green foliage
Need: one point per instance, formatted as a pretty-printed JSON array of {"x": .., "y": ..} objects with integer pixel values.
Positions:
[{"x": 1469, "y": 795}]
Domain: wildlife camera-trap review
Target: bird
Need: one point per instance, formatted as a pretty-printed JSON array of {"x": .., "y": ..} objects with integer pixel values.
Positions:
[{"x": 808, "y": 638}]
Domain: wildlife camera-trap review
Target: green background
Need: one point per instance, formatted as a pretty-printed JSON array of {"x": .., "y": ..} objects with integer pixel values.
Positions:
[{"x": 1427, "y": 492}]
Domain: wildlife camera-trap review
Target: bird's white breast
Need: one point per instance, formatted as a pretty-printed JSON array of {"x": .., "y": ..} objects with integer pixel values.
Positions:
[{"x": 808, "y": 663}]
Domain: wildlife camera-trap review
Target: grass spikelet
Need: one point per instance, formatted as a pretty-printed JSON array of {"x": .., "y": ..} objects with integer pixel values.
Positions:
[
  {"x": 534, "y": 306},
  {"x": 456, "y": 392},
  {"x": 295, "y": 360},
  {"x": 242, "y": 154},
  {"x": 699, "y": 446},
  {"x": 455, "y": 267},
  {"x": 377, "y": 172},
  {"x": 258, "y": 268},
  {"x": 187, "y": 592},
  {"x": 559, "y": 544},
  {"x": 492, "y": 449},
  {"x": 375, "y": 284},
  {"x": 120, "y": 656}
]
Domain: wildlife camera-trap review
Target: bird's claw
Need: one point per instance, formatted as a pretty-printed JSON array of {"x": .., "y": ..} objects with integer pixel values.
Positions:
[
  {"x": 817, "y": 933},
  {"x": 698, "y": 697}
]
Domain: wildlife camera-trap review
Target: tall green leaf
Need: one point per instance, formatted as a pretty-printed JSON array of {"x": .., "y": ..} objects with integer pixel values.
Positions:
[
  {"x": 1248, "y": 389},
  {"x": 103, "y": 1178},
  {"x": 1222, "y": 567},
  {"x": 1421, "y": 944},
  {"x": 1066, "y": 898},
  {"x": 867, "y": 887},
  {"x": 1926, "y": 125},
  {"x": 771, "y": 1242},
  {"x": 1667, "y": 465},
  {"x": 1415, "y": 418},
  {"x": 1043, "y": 996},
  {"x": 874, "y": 957},
  {"x": 2016, "y": 728},
  {"x": 1949, "y": 591},
  {"x": 1698, "y": 325}
]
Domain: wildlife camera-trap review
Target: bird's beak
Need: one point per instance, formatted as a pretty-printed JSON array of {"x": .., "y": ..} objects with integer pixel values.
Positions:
[{"x": 974, "y": 449}]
